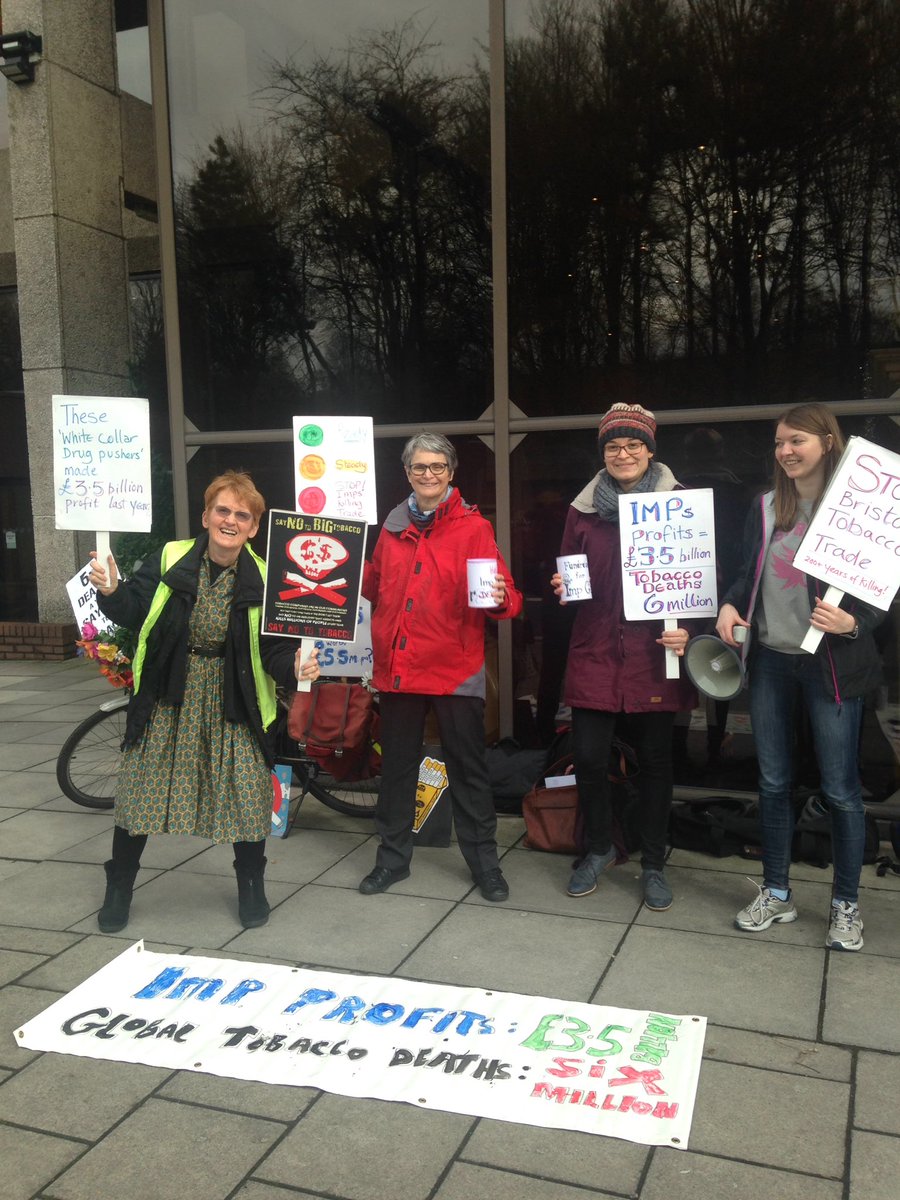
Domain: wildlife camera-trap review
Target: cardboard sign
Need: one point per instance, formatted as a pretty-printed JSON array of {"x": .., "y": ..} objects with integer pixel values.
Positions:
[
  {"x": 282, "y": 775},
  {"x": 313, "y": 576},
  {"x": 668, "y": 546},
  {"x": 101, "y": 463},
  {"x": 853, "y": 540},
  {"x": 353, "y": 659},
  {"x": 83, "y": 598},
  {"x": 431, "y": 785},
  {"x": 334, "y": 467}
]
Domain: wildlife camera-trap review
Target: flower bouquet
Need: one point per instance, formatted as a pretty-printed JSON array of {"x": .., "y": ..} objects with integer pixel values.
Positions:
[{"x": 112, "y": 649}]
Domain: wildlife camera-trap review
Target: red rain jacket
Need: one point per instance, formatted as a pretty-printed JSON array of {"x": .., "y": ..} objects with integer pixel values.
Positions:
[{"x": 425, "y": 638}]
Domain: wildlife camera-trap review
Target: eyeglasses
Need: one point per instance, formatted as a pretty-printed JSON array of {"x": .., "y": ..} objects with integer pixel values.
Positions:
[
  {"x": 420, "y": 469},
  {"x": 224, "y": 513},
  {"x": 632, "y": 449}
]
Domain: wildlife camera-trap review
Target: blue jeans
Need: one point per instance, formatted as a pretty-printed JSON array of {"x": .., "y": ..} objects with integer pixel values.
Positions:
[{"x": 776, "y": 682}]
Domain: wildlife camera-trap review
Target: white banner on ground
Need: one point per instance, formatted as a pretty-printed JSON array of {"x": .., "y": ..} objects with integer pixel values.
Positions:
[{"x": 620, "y": 1072}]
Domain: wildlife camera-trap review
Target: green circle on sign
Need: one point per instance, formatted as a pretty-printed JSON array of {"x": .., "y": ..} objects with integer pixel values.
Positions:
[{"x": 311, "y": 435}]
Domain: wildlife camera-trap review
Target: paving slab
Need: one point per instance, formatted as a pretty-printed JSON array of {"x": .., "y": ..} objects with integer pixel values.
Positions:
[
  {"x": 766, "y": 986},
  {"x": 464, "y": 1181},
  {"x": 438, "y": 872},
  {"x": 799, "y": 1040},
  {"x": 40, "y": 835},
  {"x": 76, "y": 1097},
  {"x": 366, "y": 1149},
  {"x": 24, "y": 789},
  {"x": 265, "y": 1191},
  {"x": 708, "y": 901},
  {"x": 879, "y": 908},
  {"x": 877, "y": 1088},
  {"x": 274, "y": 1101},
  {"x": 861, "y": 1006},
  {"x": 537, "y": 883},
  {"x": 14, "y": 732},
  {"x": 165, "y": 1151},
  {"x": 72, "y": 966},
  {"x": 14, "y": 964},
  {"x": 163, "y": 852},
  {"x": 790, "y": 1055},
  {"x": 52, "y": 895},
  {"x": 561, "y": 1155},
  {"x": 516, "y": 951},
  {"x": 294, "y": 859},
  {"x": 335, "y": 927},
  {"x": 26, "y": 755},
  {"x": 18, "y": 1005},
  {"x": 686, "y": 1176},
  {"x": 31, "y": 1160},
  {"x": 771, "y": 1118},
  {"x": 177, "y": 907},
  {"x": 36, "y": 941},
  {"x": 10, "y": 867},
  {"x": 874, "y": 1167}
]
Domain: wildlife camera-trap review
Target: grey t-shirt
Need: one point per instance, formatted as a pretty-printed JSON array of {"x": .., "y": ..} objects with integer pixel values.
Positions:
[{"x": 784, "y": 611}]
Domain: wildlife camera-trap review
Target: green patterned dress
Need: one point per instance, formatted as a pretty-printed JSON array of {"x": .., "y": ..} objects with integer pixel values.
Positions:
[{"x": 193, "y": 771}]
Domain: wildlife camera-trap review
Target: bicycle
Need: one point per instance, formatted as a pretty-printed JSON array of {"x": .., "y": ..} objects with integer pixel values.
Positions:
[{"x": 87, "y": 768}]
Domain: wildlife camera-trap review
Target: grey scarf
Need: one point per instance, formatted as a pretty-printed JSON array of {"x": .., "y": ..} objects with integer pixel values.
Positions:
[{"x": 606, "y": 491}]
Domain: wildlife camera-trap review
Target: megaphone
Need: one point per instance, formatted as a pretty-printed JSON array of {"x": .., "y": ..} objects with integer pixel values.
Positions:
[{"x": 714, "y": 667}]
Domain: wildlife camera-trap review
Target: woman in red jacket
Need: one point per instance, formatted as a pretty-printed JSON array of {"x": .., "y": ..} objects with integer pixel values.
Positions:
[
  {"x": 616, "y": 666},
  {"x": 428, "y": 649}
]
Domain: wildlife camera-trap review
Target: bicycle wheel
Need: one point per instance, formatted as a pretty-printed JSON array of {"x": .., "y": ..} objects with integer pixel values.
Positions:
[
  {"x": 88, "y": 765},
  {"x": 351, "y": 799}
]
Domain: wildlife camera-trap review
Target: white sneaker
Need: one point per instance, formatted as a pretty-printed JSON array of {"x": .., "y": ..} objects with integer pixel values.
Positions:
[
  {"x": 845, "y": 927},
  {"x": 765, "y": 910}
]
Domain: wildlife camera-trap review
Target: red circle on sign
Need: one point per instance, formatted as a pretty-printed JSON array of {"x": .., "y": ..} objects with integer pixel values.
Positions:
[{"x": 311, "y": 500}]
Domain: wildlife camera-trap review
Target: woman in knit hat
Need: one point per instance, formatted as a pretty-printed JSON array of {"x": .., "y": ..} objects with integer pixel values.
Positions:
[{"x": 616, "y": 668}]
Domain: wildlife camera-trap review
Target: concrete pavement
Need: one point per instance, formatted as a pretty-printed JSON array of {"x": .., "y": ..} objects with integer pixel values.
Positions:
[{"x": 798, "y": 1094}]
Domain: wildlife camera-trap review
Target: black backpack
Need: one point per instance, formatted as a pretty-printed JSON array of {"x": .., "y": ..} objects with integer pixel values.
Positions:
[
  {"x": 812, "y": 835},
  {"x": 720, "y": 826},
  {"x": 724, "y": 826}
]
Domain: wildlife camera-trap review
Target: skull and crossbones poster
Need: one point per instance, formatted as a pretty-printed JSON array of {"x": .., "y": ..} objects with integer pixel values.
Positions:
[{"x": 313, "y": 576}]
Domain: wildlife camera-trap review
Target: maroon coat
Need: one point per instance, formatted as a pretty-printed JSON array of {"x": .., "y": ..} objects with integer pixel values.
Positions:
[{"x": 614, "y": 665}]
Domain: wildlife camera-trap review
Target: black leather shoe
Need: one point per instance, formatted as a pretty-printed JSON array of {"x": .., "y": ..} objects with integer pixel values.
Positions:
[
  {"x": 381, "y": 879},
  {"x": 493, "y": 886}
]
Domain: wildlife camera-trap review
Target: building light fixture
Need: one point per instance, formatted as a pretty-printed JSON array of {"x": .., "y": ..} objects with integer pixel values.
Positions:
[{"x": 19, "y": 52}]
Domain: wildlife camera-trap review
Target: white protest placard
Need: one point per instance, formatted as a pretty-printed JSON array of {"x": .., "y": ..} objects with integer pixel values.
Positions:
[
  {"x": 101, "y": 463},
  {"x": 83, "y": 598},
  {"x": 334, "y": 467},
  {"x": 564, "y": 1064},
  {"x": 353, "y": 659},
  {"x": 668, "y": 544},
  {"x": 853, "y": 539}
]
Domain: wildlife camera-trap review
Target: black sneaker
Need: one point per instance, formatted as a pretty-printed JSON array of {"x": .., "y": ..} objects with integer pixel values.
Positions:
[
  {"x": 493, "y": 886},
  {"x": 381, "y": 878}
]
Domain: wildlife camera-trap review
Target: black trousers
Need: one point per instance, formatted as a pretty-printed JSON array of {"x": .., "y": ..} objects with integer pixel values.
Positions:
[
  {"x": 650, "y": 735},
  {"x": 461, "y": 723}
]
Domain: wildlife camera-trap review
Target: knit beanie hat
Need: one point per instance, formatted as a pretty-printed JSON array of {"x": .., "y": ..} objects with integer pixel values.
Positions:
[{"x": 628, "y": 421}]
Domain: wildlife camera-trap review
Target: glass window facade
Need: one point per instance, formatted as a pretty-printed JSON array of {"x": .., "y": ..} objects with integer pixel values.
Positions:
[
  {"x": 702, "y": 215},
  {"x": 332, "y": 207}
]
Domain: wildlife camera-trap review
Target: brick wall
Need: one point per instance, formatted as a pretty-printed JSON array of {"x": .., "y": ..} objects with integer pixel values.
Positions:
[{"x": 52, "y": 642}]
